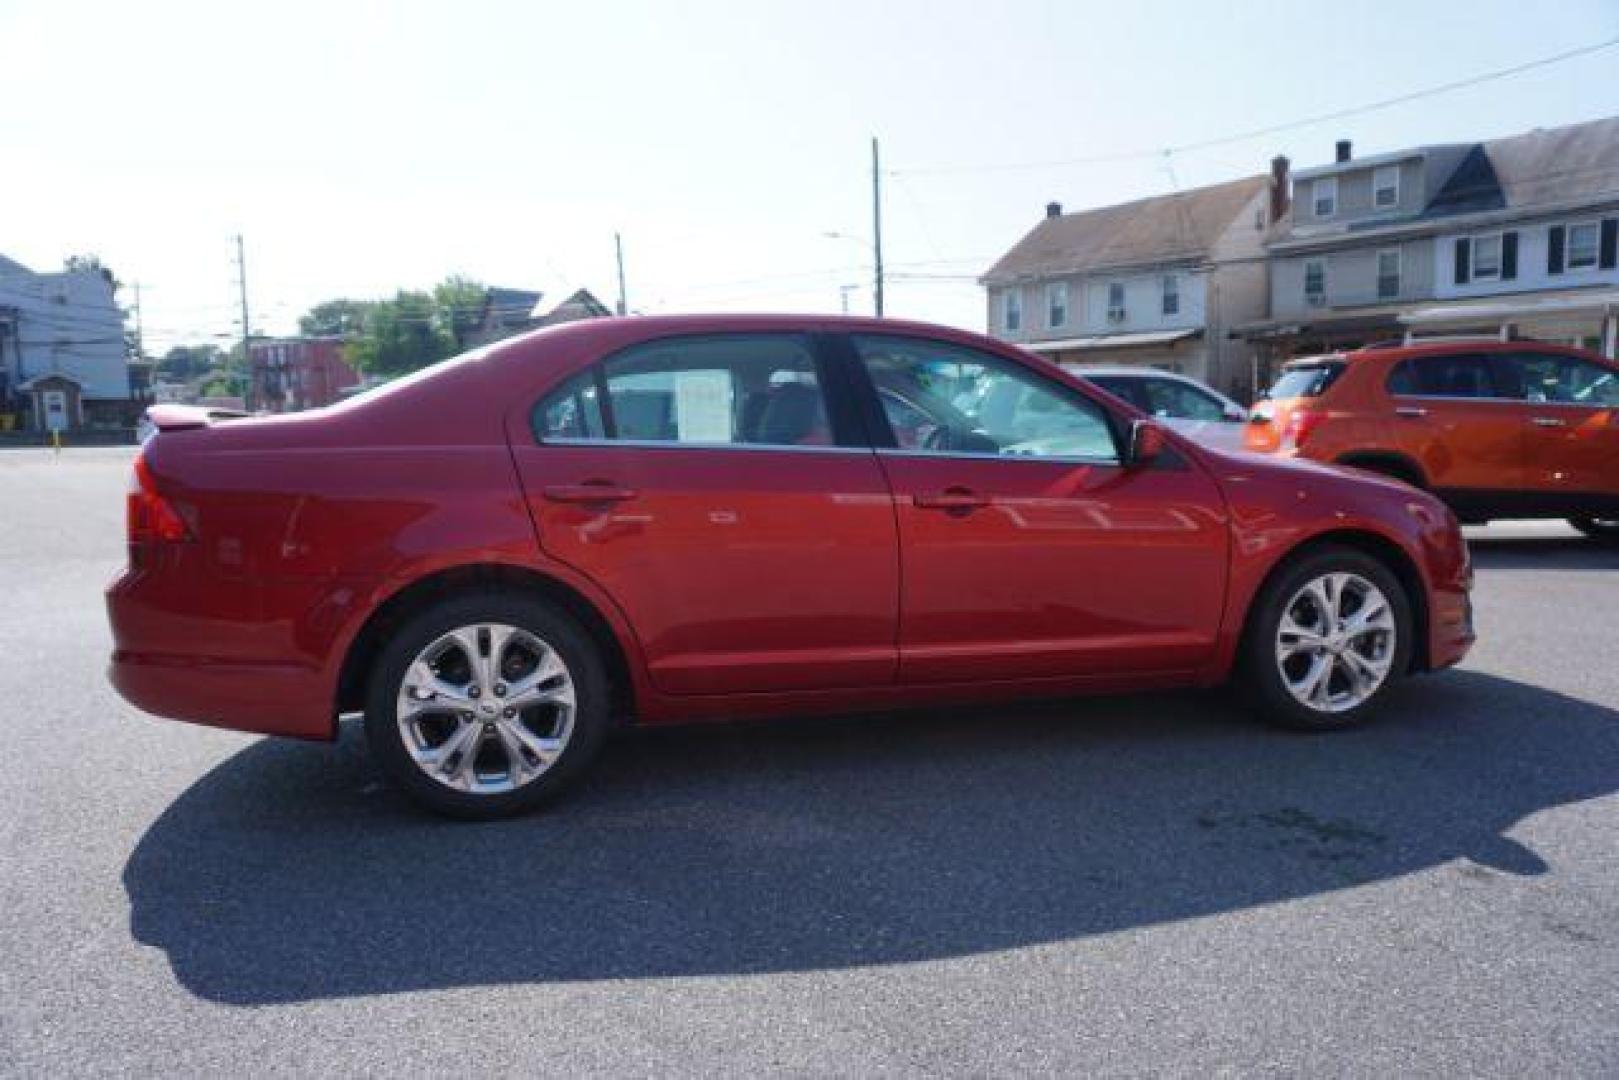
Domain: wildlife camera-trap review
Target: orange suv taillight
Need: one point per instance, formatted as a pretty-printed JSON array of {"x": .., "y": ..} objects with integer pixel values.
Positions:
[
  {"x": 1300, "y": 422},
  {"x": 149, "y": 517}
]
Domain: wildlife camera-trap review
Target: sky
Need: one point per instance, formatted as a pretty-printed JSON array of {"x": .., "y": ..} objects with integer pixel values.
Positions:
[{"x": 363, "y": 147}]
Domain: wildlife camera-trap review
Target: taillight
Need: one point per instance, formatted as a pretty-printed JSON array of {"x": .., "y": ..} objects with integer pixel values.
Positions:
[
  {"x": 1300, "y": 422},
  {"x": 149, "y": 517}
]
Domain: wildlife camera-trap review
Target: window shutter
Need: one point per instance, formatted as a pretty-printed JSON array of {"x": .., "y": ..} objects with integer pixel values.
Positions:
[
  {"x": 1464, "y": 259},
  {"x": 1610, "y": 242},
  {"x": 1509, "y": 256},
  {"x": 1554, "y": 250}
]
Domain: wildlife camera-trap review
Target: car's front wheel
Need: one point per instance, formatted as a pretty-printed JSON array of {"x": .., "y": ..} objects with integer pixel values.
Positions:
[
  {"x": 1597, "y": 528},
  {"x": 1327, "y": 636},
  {"x": 486, "y": 704}
]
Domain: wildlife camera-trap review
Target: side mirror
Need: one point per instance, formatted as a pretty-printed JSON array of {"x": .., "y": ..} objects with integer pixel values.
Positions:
[{"x": 1147, "y": 443}]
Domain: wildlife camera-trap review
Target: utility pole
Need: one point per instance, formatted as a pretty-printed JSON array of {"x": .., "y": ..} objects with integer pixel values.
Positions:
[
  {"x": 623, "y": 301},
  {"x": 140, "y": 340},
  {"x": 247, "y": 327},
  {"x": 877, "y": 226}
]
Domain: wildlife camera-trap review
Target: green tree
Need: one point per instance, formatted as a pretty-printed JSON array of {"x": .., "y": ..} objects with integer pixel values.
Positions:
[
  {"x": 182, "y": 363},
  {"x": 460, "y": 304},
  {"x": 74, "y": 264},
  {"x": 335, "y": 318},
  {"x": 400, "y": 336}
]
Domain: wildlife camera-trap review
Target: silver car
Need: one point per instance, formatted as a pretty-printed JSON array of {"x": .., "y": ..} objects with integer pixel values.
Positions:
[{"x": 1197, "y": 411}]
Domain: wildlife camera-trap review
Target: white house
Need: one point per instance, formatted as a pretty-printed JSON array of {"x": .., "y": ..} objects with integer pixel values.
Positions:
[
  {"x": 1157, "y": 282},
  {"x": 63, "y": 358},
  {"x": 1514, "y": 236}
]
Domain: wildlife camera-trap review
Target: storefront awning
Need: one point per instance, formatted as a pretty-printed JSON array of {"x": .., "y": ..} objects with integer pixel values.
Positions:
[
  {"x": 1114, "y": 341},
  {"x": 1523, "y": 306}
]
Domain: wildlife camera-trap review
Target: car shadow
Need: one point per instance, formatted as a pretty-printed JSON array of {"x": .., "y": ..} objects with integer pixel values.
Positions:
[
  {"x": 1542, "y": 553},
  {"x": 289, "y": 873}
]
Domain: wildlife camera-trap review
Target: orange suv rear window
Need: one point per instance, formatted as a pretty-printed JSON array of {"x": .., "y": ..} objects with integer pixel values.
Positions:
[{"x": 1306, "y": 380}]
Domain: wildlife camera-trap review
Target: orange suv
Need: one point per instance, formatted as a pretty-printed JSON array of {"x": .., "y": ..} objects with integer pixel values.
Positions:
[{"x": 1498, "y": 429}]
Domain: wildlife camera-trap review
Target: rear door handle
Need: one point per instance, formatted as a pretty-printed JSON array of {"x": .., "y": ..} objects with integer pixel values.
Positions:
[
  {"x": 1548, "y": 421},
  {"x": 1411, "y": 411},
  {"x": 593, "y": 491},
  {"x": 956, "y": 499}
]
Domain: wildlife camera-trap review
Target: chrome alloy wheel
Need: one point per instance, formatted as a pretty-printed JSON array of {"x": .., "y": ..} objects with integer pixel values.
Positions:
[
  {"x": 1336, "y": 642},
  {"x": 486, "y": 708}
]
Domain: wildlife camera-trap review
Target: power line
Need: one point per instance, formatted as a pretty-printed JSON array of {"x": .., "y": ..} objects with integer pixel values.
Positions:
[{"x": 1274, "y": 129}]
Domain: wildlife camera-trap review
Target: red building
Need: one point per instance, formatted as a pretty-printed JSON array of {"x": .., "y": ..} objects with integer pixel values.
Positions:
[{"x": 290, "y": 374}]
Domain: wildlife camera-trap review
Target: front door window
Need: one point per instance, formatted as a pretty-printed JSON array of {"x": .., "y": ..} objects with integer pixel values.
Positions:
[{"x": 946, "y": 399}]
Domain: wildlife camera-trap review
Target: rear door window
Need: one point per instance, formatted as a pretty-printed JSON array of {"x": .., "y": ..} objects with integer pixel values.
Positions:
[
  {"x": 744, "y": 390},
  {"x": 1306, "y": 380},
  {"x": 1457, "y": 375},
  {"x": 1173, "y": 398},
  {"x": 1125, "y": 387}
]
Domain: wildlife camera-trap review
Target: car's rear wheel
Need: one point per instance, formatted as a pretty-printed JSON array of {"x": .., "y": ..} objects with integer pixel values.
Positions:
[
  {"x": 1597, "y": 528},
  {"x": 486, "y": 704},
  {"x": 1328, "y": 635}
]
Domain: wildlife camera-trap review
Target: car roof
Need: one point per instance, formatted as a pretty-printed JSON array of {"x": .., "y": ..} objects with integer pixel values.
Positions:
[{"x": 1400, "y": 350}]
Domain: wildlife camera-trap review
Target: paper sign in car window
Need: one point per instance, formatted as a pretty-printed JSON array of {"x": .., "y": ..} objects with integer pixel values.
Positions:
[{"x": 703, "y": 406}]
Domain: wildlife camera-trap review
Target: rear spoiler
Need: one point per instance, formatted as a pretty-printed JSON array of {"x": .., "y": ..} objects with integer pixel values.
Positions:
[{"x": 187, "y": 417}]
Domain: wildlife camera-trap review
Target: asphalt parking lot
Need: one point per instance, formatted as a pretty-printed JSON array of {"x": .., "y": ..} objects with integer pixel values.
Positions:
[{"x": 1147, "y": 884}]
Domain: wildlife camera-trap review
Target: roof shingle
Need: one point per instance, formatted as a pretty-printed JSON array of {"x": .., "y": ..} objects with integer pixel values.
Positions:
[{"x": 1165, "y": 228}]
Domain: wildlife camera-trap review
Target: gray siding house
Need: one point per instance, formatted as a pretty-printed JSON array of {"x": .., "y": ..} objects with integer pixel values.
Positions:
[
  {"x": 63, "y": 359},
  {"x": 1158, "y": 282},
  {"x": 1513, "y": 237}
]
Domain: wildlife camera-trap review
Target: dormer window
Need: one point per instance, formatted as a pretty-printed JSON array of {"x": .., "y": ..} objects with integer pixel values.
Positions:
[
  {"x": 1386, "y": 187},
  {"x": 1325, "y": 197}
]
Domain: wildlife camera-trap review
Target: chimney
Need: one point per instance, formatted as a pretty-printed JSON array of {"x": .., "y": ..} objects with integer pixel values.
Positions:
[
  {"x": 1053, "y": 209},
  {"x": 1280, "y": 188},
  {"x": 1343, "y": 148}
]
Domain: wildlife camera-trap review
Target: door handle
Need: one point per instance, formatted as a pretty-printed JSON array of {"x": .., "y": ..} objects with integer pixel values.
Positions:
[
  {"x": 592, "y": 491},
  {"x": 1548, "y": 421},
  {"x": 958, "y": 500},
  {"x": 1411, "y": 411}
]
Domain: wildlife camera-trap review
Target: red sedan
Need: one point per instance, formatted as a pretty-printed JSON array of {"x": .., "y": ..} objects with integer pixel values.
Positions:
[{"x": 655, "y": 520}]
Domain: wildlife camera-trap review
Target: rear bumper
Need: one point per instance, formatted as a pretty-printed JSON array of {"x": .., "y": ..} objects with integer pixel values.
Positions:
[
  {"x": 265, "y": 698},
  {"x": 216, "y": 653}
]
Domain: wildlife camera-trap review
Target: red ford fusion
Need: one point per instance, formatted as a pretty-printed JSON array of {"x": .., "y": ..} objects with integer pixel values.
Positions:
[{"x": 655, "y": 520}]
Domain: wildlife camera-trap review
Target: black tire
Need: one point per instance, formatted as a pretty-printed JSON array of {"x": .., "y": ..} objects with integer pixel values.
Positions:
[
  {"x": 1260, "y": 674},
  {"x": 1604, "y": 529},
  {"x": 590, "y": 720}
]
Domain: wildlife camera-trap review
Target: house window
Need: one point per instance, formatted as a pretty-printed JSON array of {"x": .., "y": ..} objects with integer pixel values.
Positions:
[
  {"x": 1056, "y": 305},
  {"x": 1386, "y": 187},
  {"x": 1315, "y": 282},
  {"x": 1115, "y": 301},
  {"x": 1487, "y": 257},
  {"x": 1326, "y": 196},
  {"x": 1172, "y": 294},
  {"x": 1012, "y": 310},
  {"x": 1388, "y": 274},
  {"x": 1583, "y": 245}
]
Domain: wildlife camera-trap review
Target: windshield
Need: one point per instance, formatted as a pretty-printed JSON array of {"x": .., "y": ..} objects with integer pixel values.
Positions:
[{"x": 1306, "y": 380}]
